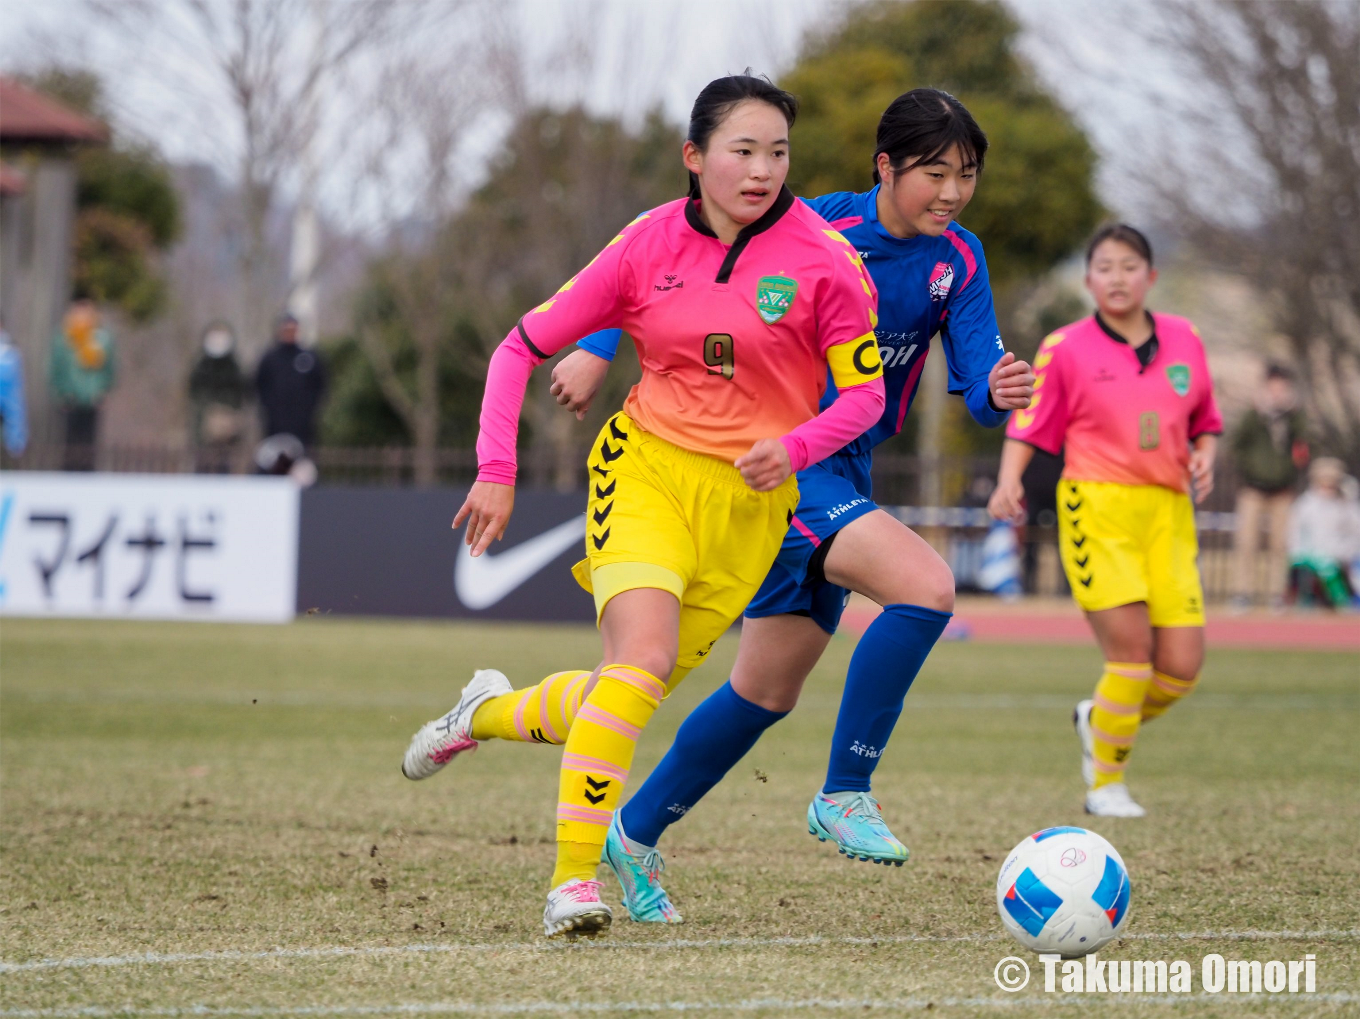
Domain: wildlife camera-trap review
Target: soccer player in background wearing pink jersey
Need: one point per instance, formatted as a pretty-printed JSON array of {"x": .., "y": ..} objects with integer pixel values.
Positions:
[
  {"x": 739, "y": 299},
  {"x": 1127, "y": 394}
]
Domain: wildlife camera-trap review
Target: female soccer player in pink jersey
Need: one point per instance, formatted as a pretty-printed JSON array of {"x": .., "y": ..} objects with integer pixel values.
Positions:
[
  {"x": 1127, "y": 395},
  {"x": 739, "y": 300}
]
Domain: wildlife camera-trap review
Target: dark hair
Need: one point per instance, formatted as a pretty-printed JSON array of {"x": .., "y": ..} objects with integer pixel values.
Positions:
[
  {"x": 1124, "y": 234},
  {"x": 1275, "y": 370},
  {"x": 718, "y": 99},
  {"x": 926, "y": 123}
]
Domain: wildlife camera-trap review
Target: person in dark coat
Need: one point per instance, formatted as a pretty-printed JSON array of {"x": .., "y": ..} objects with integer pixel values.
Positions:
[
  {"x": 291, "y": 383},
  {"x": 1270, "y": 448},
  {"x": 218, "y": 390}
]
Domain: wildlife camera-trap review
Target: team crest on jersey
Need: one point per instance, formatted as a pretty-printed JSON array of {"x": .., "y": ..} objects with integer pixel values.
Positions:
[
  {"x": 941, "y": 280},
  {"x": 1179, "y": 377},
  {"x": 774, "y": 297}
]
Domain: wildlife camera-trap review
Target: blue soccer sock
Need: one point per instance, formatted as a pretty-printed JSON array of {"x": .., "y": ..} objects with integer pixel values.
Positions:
[
  {"x": 716, "y": 735},
  {"x": 882, "y": 669}
]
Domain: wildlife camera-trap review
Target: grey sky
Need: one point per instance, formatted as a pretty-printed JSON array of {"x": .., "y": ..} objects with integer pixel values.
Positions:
[{"x": 625, "y": 56}]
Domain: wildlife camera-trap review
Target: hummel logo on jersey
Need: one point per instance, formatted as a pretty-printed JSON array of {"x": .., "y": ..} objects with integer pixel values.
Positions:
[
  {"x": 941, "y": 280},
  {"x": 672, "y": 283},
  {"x": 1103, "y": 376}
]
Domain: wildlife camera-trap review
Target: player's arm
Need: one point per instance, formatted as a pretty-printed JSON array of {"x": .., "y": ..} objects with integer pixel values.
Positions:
[
  {"x": 579, "y": 375},
  {"x": 1041, "y": 425},
  {"x": 992, "y": 381},
  {"x": 1203, "y": 451},
  {"x": 1205, "y": 426},
  {"x": 589, "y": 301},
  {"x": 1008, "y": 498}
]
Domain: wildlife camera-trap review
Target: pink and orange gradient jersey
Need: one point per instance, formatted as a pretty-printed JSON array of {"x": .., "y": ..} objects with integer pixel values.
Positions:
[
  {"x": 734, "y": 340},
  {"x": 1120, "y": 414}
]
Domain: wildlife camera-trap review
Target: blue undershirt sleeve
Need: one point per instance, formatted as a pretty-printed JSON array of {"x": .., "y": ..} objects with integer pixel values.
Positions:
[{"x": 603, "y": 344}]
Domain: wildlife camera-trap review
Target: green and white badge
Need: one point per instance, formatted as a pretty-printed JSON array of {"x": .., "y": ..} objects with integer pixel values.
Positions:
[
  {"x": 774, "y": 297},
  {"x": 1179, "y": 377}
]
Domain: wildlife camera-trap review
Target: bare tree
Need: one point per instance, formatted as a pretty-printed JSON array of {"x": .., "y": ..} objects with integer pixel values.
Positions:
[
  {"x": 420, "y": 122},
  {"x": 1276, "y": 129},
  {"x": 266, "y": 59}
]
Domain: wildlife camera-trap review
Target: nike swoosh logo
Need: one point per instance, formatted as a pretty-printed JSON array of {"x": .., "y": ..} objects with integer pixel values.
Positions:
[{"x": 481, "y": 582}]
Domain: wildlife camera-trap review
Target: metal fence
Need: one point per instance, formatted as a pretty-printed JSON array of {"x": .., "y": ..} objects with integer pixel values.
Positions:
[{"x": 923, "y": 491}]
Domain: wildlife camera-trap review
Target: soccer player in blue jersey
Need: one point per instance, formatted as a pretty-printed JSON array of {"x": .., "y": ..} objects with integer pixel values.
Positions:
[{"x": 931, "y": 277}]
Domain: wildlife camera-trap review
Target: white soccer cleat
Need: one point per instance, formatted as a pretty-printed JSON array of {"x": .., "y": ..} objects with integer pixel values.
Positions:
[
  {"x": 440, "y": 741},
  {"x": 1112, "y": 800},
  {"x": 1081, "y": 721},
  {"x": 574, "y": 910}
]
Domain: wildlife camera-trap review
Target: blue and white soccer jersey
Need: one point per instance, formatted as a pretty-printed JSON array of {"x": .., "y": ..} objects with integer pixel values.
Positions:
[{"x": 925, "y": 285}]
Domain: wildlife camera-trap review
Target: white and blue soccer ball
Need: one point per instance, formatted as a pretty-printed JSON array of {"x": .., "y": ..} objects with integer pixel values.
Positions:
[{"x": 1063, "y": 890}]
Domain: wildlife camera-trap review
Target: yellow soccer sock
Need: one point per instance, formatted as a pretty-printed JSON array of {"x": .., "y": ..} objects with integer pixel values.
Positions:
[
  {"x": 1163, "y": 692},
  {"x": 576, "y": 860},
  {"x": 1115, "y": 716},
  {"x": 595, "y": 764},
  {"x": 536, "y": 714}
]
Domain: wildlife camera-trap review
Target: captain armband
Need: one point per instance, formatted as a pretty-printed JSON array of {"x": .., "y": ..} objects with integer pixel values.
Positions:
[{"x": 855, "y": 362}]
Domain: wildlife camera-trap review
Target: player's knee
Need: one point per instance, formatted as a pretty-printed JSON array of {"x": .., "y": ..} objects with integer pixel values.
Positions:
[
  {"x": 657, "y": 662},
  {"x": 1184, "y": 666},
  {"x": 940, "y": 589},
  {"x": 925, "y": 581},
  {"x": 930, "y": 585}
]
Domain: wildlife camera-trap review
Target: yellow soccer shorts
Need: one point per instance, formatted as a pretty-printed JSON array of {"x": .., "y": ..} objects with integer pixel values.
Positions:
[
  {"x": 663, "y": 517},
  {"x": 1131, "y": 543}
]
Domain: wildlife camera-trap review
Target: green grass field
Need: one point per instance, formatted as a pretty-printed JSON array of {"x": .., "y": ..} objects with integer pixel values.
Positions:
[{"x": 229, "y": 797}]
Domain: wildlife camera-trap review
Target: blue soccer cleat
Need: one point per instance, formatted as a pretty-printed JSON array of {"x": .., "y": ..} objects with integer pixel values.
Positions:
[
  {"x": 852, "y": 821},
  {"x": 639, "y": 869}
]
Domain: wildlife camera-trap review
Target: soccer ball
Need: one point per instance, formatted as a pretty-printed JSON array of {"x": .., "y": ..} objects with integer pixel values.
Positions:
[{"x": 1063, "y": 890}]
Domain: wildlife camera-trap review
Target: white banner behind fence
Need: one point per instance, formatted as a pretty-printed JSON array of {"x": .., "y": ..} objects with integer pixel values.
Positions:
[{"x": 148, "y": 546}]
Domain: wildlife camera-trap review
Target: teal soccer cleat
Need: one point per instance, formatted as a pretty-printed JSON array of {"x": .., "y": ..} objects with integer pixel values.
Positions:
[
  {"x": 852, "y": 821},
  {"x": 639, "y": 869}
]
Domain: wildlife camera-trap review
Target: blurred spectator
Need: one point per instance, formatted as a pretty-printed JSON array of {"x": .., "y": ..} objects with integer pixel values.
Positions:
[
  {"x": 82, "y": 373},
  {"x": 1324, "y": 535},
  {"x": 12, "y": 410},
  {"x": 1269, "y": 448},
  {"x": 218, "y": 389},
  {"x": 291, "y": 383}
]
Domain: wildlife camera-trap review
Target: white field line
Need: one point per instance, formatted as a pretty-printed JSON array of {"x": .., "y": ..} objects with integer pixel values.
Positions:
[
  {"x": 1028, "y": 1001},
  {"x": 343, "y": 699},
  {"x": 327, "y": 952}
]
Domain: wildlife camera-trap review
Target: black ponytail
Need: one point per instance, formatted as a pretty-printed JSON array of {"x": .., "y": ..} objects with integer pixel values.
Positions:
[
  {"x": 720, "y": 96},
  {"x": 925, "y": 123}
]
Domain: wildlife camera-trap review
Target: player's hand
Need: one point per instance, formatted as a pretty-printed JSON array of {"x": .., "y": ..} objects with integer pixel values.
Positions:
[
  {"x": 1011, "y": 383},
  {"x": 1008, "y": 502},
  {"x": 766, "y": 466},
  {"x": 1201, "y": 473},
  {"x": 576, "y": 380},
  {"x": 487, "y": 510}
]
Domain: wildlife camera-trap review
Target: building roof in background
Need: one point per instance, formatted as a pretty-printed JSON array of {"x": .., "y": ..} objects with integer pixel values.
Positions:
[{"x": 28, "y": 116}]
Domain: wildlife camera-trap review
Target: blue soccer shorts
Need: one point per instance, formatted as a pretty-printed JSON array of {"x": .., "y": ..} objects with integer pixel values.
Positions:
[{"x": 831, "y": 493}]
